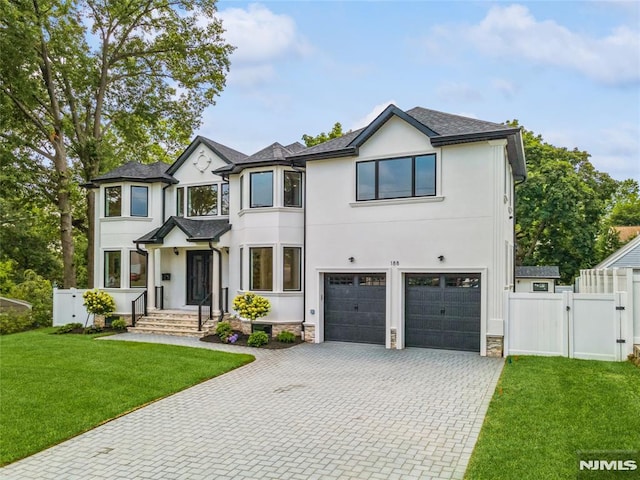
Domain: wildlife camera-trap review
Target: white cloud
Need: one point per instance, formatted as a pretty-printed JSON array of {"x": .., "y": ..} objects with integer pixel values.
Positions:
[
  {"x": 512, "y": 32},
  {"x": 371, "y": 116},
  {"x": 262, "y": 38}
]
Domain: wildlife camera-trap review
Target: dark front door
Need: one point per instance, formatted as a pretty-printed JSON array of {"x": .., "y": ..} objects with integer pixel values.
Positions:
[
  {"x": 443, "y": 311},
  {"x": 354, "y": 307},
  {"x": 198, "y": 275}
]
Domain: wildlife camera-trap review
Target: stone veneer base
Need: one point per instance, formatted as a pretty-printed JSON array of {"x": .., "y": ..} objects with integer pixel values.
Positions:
[{"x": 495, "y": 346}]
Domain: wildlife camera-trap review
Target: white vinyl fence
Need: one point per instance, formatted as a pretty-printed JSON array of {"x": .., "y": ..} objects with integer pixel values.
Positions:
[
  {"x": 68, "y": 306},
  {"x": 609, "y": 280},
  {"x": 587, "y": 326}
]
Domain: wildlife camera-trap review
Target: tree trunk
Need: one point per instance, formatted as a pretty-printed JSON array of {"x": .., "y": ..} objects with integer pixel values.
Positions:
[
  {"x": 91, "y": 237},
  {"x": 63, "y": 194}
]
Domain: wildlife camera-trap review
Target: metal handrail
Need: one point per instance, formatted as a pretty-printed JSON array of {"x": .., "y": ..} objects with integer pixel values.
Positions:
[
  {"x": 159, "y": 300},
  {"x": 138, "y": 308},
  {"x": 208, "y": 300}
]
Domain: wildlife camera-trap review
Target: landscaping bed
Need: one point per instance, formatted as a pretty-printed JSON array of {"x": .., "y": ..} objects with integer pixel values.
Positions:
[{"x": 273, "y": 344}]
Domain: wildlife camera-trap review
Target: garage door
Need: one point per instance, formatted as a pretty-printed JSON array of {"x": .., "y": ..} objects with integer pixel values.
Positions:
[
  {"x": 354, "y": 307},
  {"x": 443, "y": 311}
]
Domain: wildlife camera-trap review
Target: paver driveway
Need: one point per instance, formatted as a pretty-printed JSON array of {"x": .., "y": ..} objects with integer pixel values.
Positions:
[{"x": 328, "y": 411}]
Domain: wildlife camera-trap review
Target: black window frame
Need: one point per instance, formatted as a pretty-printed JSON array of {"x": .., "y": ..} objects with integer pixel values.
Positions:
[
  {"x": 107, "y": 283},
  {"x": 241, "y": 267},
  {"x": 413, "y": 158},
  {"x": 224, "y": 192},
  {"x": 180, "y": 202},
  {"x": 540, "y": 286},
  {"x": 251, "y": 176},
  {"x": 146, "y": 268},
  {"x": 298, "y": 199},
  {"x": 214, "y": 187},
  {"x": 299, "y": 269},
  {"x": 252, "y": 286},
  {"x": 146, "y": 206},
  {"x": 107, "y": 212}
]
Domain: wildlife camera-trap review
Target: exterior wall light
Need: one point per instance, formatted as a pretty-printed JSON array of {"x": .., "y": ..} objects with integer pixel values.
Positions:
[
  {"x": 175, "y": 250},
  {"x": 441, "y": 258},
  {"x": 352, "y": 259}
]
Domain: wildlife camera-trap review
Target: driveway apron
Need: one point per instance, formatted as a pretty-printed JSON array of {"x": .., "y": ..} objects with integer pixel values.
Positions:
[{"x": 325, "y": 411}]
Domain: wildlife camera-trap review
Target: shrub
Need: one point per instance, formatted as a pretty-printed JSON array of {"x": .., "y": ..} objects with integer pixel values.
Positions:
[
  {"x": 98, "y": 302},
  {"x": 68, "y": 328},
  {"x": 120, "y": 324},
  {"x": 286, "y": 337},
  {"x": 14, "y": 322},
  {"x": 251, "y": 306},
  {"x": 223, "y": 331},
  {"x": 257, "y": 339},
  {"x": 92, "y": 329},
  {"x": 38, "y": 292}
]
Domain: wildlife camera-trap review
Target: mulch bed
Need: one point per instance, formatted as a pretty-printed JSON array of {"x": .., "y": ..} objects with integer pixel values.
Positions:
[{"x": 273, "y": 344}]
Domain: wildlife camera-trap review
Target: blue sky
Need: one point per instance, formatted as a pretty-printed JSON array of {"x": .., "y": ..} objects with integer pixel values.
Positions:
[{"x": 569, "y": 71}]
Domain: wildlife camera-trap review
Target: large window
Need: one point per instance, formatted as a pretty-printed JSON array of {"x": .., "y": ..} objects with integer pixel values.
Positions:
[
  {"x": 241, "y": 269},
  {"x": 291, "y": 268},
  {"x": 139, "y": 201},
  {"x": 202, "y": 200},
  {"x": 261, "y": 189},
  {"x": 112, "y": 269},
  {"x": 224, "y": 203},
  {"x": 292, "y": 189},
  {"x": 261, "y": 268},
  {"x": 396, "y": 178},
  {"x": 137, "y": 269},
  {"x": 112, "y": 201},
  {"x": 180, "y": 202}
]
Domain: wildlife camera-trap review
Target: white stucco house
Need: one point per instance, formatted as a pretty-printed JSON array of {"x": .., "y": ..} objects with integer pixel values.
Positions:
[{"x": 399, "y": 234}]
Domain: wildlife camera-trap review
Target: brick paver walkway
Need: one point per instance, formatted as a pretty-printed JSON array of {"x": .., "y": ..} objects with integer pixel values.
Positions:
[{"x": 328, "y": 411}]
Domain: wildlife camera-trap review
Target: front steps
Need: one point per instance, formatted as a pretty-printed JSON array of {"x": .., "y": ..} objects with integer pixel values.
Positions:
[{"x": 172, "y": 322}]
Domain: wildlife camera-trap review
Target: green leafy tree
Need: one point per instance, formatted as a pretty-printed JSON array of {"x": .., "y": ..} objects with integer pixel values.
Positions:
[
  {"x": 335, "y": 132},
  {"x": 622, "y": 210},
  {"x": 88, "y": 84},
  {"x": 39, "y": 293},
  {"x": 559, "y": 208}
]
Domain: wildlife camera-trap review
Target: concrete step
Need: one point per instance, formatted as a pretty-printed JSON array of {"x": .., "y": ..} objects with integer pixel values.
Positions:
[{"x": 179, "y": 332}]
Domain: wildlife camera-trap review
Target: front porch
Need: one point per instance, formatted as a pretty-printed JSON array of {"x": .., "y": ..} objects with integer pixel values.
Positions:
[{"x": 186, "y": 323}]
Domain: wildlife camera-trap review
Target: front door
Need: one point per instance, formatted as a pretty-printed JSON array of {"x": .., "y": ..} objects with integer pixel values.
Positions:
[{"x": 198, "y": 275}]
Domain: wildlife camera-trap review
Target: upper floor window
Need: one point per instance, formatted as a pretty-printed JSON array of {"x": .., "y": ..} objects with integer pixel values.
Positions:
[
  {"x": 180, "y": 202},
  {"x": 224, "y": 204},
  {"x": 261, "y": 189},
  {"x": 202, "y": 200},
  {"x": 292, "y": 189},
  {"x": 112, "y": 201},
  {"x": 396, "y": 178},
  {"x": 139, "y": 201}
]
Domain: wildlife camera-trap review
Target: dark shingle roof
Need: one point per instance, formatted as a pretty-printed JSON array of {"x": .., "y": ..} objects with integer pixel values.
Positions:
[
  {"x": 274, "y": 154},
  {"x": 295, "y": 147},
  {"x": 538, "y": 272},
  {"x": 441, "y": 128},
  {"x": 195, "y": 230},
  {"x": 138, "y": 172}
]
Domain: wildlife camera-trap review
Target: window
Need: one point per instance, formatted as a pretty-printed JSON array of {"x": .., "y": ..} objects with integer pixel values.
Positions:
[
  {"x": 292, "y": 189},
  {"x": 112, "y": 201},
  {"x": 261, "y": 268},
  {"x": 540, "y": 287},
  {"x": 396, "y": 178},
  {"x": 241, "y": 192},
  {"x": 180, "y": 202},
  {"x": 291, "y": 268},
  {"x": 139, "y": 201},
  {"x": 261, "y": 189},
  {"x": 112, "y": 269},
  {"x": 202, "y": 200},
  {"x": 137, "y": 269},
  {"x": 225, "y": 199}
]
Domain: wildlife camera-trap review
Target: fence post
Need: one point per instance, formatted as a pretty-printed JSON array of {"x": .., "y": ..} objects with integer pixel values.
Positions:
[
  {"x": 567, "y": 306},
  {"x": 507, "y": 319}
]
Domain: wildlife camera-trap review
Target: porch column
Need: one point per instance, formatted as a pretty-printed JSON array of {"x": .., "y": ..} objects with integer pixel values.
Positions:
[
  {"x": 151, "y": 279},
  {"x": 215, "y": 282}
]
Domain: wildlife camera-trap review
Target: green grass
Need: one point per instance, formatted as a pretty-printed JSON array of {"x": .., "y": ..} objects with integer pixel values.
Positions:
[
  {"x": 544, "y": 410},
  {"x": 53, "y": 387}
]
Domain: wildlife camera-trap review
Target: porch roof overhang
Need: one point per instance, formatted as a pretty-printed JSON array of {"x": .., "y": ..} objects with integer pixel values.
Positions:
[{"x": 194, "y": 230}]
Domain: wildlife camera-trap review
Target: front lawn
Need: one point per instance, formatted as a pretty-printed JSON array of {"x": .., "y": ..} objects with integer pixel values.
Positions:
[
  {"x": 53, "y": 387},
  {"x": 544, "y": 410}
]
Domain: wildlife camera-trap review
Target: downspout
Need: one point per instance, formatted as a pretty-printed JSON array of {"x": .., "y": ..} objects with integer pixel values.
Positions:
[
  {"x": 304, "y": 244},
  {"x": 515, "y": 184}
]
